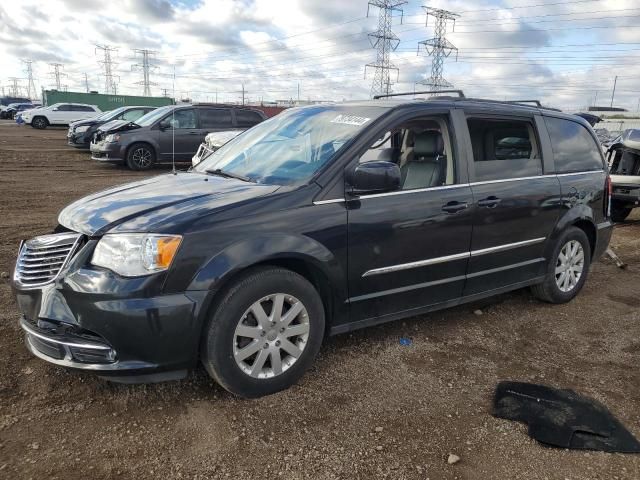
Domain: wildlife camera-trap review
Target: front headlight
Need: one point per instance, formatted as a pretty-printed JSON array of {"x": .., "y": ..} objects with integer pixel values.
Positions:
[
  {"x": 81, "y": 129},
  {"x": 136, "y": 254},
  {"x": 112, "y": 137}
]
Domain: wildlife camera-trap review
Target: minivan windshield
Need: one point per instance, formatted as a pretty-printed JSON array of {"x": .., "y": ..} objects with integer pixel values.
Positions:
[
  {"x": 154, "y": 115},
  {"x": 291, "y": 147},
  {"x": 110, "y": 114}
]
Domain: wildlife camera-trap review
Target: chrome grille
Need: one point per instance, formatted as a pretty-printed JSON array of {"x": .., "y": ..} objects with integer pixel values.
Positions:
[{"x": 41, "y": 259}]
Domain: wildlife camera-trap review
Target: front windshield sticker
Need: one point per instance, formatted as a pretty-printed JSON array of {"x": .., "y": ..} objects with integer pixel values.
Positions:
[{"x": 350, "y": 120}]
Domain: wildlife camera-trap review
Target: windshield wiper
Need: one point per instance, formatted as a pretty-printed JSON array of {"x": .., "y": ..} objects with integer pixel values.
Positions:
[{"x": 224, "y": 173}]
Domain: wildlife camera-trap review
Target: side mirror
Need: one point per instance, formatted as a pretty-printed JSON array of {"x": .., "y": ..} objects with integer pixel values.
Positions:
[
  {"x": 374, "y": 177},
  {"x": 55, "y": 109}
]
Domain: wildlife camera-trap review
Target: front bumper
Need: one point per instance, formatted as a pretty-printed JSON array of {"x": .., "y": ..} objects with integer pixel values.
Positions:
[
  {"x": 106, "y": 152},
  {"x": 126, "y": 329},
  {"x": 78, "y": 140}
]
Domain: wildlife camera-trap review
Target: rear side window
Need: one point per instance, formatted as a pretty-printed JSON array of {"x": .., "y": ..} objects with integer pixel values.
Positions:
[
  {"x": 66, "y": 108},
  {"x": 574, "y": 149},
  {"x": 504, "y": 149},
  {"x": 132, "y": 115},
  {"x": 215, "y": 118},
  {"x": 247, "y": 118}
]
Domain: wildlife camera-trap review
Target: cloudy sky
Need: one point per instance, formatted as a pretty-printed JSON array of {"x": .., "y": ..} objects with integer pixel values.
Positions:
[{"x": 563, "y": 52}]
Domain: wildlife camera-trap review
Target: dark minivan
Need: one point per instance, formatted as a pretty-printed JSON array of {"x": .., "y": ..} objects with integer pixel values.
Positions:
[
  {"x": 171, "y": 133},
  {"x": 315, "y": 222}
]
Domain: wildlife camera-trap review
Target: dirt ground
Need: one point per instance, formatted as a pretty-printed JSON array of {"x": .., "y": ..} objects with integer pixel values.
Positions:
[{"x": 430, "y": 398}]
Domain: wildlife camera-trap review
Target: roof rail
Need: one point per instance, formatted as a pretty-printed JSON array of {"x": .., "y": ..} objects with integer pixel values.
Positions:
[
  {"x": 535, "y": 102},
  {"x": 459, "y": 92}
]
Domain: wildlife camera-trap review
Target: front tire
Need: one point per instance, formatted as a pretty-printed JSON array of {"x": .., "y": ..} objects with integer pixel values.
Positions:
[
  {"x": 567, "y": 269},
  {"x": 264, "y": 333},
  {"x": 40, "y": 123},
  {"x": 140, "y": 156}
]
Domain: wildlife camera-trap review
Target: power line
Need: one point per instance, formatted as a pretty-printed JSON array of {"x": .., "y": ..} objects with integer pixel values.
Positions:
[
  {"x": 31, "y": 86},
  {"x": 384, "y": 41},
  {"x": 146, "y": 67},
  {"x": 14, "y": 88},
  {"x": 110, "y": 85}
]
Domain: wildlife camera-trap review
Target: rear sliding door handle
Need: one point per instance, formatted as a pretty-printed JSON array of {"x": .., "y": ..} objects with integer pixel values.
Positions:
[
  {"x": 489, "y": 202},
  {"x": 453, "y": 207}
]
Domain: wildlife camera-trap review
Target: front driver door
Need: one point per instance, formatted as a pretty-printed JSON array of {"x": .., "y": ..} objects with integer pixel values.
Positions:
[
  {"x": 409, "y": 248},
  {"x": 180, "y": 135}
]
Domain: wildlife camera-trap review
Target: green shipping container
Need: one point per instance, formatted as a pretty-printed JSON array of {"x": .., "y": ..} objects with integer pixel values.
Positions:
[{"x": 103, "y": 102}]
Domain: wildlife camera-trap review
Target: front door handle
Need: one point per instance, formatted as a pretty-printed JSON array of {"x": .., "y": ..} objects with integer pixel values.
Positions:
[
  {"x": 489, "y": 202},
  {"x": 194, "y": 133},
  {"x": 453, "y": 207}
]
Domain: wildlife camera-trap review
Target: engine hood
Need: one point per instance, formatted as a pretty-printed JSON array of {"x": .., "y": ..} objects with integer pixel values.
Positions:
[
  {"x": 118, "y": 126},
  {"x": 89, "y": 122},
  {"x": 158, "y": 204}
]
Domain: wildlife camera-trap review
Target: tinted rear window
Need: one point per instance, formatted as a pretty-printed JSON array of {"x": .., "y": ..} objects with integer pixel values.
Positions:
[
  {"x": 215, "y": 118},
  {"x": 247, "y": 118},
  {"x": 574, "y": 149}
]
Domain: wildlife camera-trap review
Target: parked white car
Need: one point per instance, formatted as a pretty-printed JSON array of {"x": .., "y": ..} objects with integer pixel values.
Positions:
[
  {"x": 212, "y": 142},
  {"x": 59, "y": 114}
]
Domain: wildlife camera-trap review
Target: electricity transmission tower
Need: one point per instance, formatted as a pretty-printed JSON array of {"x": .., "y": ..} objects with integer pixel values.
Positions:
[
  {"x": 384, "y": 41},
  {"x": 56, "y": 74},
  {"x": 31, "y": 86},
  {"x": 110, "y": 84},
  {"x": 146, "y": 67},
  {"x": 14, "y": 88},
  {"x": 438, "y": 47}
]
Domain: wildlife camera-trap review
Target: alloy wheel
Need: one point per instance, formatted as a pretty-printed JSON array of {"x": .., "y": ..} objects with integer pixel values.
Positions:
[
  {"x": 142, "y": 157},
  {"x": 39, "y": 123},
  {"x": 569, "y": 266},
  {"x": 271, "y": 336}
]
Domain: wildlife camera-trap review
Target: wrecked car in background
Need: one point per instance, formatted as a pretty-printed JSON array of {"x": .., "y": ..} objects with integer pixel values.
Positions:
[
  {"x": 623, "y": 157},
  {"x": 213, "y": 142}
]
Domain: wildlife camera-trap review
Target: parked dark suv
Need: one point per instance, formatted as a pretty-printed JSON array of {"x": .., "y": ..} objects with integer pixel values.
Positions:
[
  {"x": 81, "y": 132},
  {"x": 318, "y": 221},
  {"x": 168, "y": 133}
]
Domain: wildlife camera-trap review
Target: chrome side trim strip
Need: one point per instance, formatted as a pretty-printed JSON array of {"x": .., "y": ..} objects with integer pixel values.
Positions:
[
  {"x": 417, "y": 190},
  {"x": 325, "y": 202},
  {"x": 88, "y": 346},
  {"x": 580, "y": 173},
  {"x": 450, "y": 258},
  {"x": 503, "y": 180},
  {"x": 420, "y": 263},
  {"x": 507, "y": 246}
]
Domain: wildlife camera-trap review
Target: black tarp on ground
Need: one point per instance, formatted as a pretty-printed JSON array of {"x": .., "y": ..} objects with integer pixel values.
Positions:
[{"x": 562, "y": 418}]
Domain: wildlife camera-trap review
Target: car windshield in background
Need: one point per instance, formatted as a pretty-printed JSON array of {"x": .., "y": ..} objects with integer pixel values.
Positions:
[
  {"x": 291, "y": 147},
  {"x": 111, "y": 114},
  {"x": 153, "y": 116}
]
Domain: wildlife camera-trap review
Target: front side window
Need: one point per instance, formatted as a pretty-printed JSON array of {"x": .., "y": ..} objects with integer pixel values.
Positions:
[
  {"x": 574, "y": 149},
  {"x": 504, "y": 149},
  {"x": 153, "y": 116},
  {"x": 422, "y": 150},
  {"x": 215, "y": 118},
  {"x": 291, "y": 147},
  {"x": 181, "y": 119}
]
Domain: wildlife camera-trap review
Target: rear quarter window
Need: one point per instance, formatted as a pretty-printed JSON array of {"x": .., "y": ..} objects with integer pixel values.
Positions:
[
  {"x": 247, "y": 118},
  {"x": 574, "y": 149}
]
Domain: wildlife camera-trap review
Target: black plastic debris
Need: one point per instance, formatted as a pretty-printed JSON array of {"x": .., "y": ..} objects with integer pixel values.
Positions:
[{"x": 562, "y": 418}]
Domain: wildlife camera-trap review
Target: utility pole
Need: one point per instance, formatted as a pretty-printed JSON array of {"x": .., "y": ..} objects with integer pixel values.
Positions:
[
  {"x": 86, "y": 82},
  {"x": 110, "y": 84},
  {"x": 298, "y": 93},
  {"x": 146, "y": 67},
  {"x": 31, "y": 87},
  {"x": 438, "y": 46},
  {"x": 56, "y": 74},
  {"x": 615, "y": 80},
  {"x": 384, "y": 41}
]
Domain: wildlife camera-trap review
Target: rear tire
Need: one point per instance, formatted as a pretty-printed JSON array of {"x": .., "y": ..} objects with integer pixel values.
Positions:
[
  {"x": 263, "y": 333},
  {"x": 567, "y": 269},
  {"x": 619, "y": 214},
  {"x": 140, "y": 156},
  {"x": 40, "y": 123}
]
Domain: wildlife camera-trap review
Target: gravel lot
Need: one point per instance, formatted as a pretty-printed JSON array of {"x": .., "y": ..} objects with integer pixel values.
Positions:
[{"x": 370, "y": 408}]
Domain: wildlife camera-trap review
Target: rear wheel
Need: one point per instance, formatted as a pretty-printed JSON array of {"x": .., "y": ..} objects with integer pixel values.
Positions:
[
  {"x": 264, "y": 332},
  {"x": 140, "y": 156},
  {"x": 619, "y": 214},
  {"x": 567, "y": 269},
  {"x": 40, "y": 123}
]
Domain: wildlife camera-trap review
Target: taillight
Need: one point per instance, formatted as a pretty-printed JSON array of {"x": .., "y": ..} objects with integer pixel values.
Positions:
[{"x": 608, "y": 187}]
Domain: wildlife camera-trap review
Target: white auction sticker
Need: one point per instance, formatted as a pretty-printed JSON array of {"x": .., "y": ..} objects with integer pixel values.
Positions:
[{"x": 350, "y": 120}]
